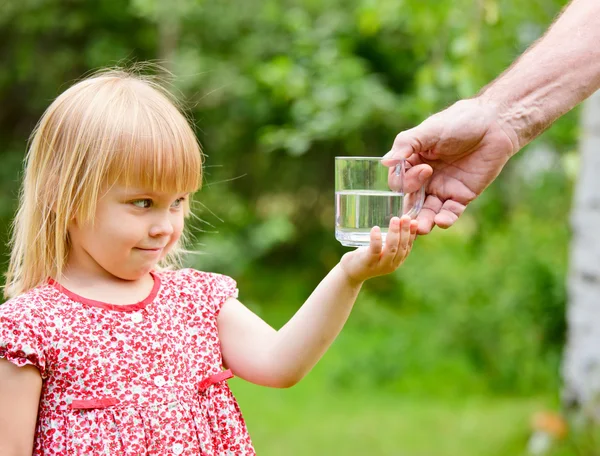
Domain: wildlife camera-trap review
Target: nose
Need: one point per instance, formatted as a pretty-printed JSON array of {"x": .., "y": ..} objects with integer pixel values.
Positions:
[{"x": 162, "y": 225}]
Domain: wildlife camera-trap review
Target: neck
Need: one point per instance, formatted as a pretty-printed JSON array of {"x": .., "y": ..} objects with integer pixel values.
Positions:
[{"x": 92, "y": 281}]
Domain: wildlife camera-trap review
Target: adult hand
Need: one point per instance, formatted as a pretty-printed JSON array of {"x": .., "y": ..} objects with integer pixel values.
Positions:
[{"x": 466, "y": 145}]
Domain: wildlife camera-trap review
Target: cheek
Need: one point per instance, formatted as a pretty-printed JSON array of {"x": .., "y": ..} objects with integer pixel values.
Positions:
[
  {"x": 175, "y": 236},
  {"x": 121, "y": 232},
  {"x": 125, "y": 231},
  {"x": 178, "y": 225}
]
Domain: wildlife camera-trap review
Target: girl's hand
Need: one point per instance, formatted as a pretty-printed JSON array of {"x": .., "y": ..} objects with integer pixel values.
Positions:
[{"x": 366, "y": 262}]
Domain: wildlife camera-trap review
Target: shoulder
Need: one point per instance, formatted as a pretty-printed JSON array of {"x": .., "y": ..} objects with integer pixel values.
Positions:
[
  {"x": 24, "y": 327},
  {"x": 29, "y": 305},
  {"x": 199, "y": 286},
  {"x": 189, "y": 278},
  {"x": 32, "y": 312}
]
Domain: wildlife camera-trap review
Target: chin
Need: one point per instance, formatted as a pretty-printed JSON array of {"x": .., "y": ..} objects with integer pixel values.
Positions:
[{"x": 134, "y": 275}]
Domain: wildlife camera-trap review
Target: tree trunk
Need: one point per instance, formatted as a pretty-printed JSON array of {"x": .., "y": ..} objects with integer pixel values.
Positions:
[{"x": 581, "y": 365}]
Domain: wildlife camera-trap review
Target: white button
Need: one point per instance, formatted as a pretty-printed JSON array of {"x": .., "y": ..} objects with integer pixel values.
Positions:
[
  {"x": 137, "y": 318},
  {"x": 159, "y": 381},
  {"x": 177, "y": 448}
]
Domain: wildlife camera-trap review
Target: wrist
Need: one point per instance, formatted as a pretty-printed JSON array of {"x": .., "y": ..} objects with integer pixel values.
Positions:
[
  {"x": 349, "y": 278},
  {"x": 508, "y": 115}
]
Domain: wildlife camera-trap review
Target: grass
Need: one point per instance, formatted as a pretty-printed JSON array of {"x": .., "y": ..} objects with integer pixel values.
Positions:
[{"x": 311, "y": 420}]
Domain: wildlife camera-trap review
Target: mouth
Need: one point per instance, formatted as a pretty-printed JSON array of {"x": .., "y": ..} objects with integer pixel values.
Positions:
[{"x": 157, "y": 249}]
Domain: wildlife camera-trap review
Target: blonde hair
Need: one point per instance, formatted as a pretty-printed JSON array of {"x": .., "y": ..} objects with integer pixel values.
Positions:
[{"x": 113, "y": 127}]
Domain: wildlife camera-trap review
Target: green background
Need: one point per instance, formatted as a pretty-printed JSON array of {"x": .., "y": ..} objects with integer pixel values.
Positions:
[{"x": 450, "y": 355}]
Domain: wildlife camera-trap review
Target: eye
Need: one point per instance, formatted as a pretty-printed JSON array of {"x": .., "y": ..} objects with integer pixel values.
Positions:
[
  {"x": 178, "y": 202},
  {"x": 142, "y": 203}
]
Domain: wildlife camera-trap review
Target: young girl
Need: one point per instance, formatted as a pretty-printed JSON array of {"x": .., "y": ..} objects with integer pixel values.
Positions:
[{"x": 105, "y": 347}]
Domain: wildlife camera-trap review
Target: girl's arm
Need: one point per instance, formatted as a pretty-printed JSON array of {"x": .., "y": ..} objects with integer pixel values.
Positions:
[
  {"x": 20, "y": 389},
  {"x": 256, "y": 352}
]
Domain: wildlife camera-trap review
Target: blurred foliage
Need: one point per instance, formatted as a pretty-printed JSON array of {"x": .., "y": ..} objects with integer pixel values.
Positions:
[{"x": 276, "y": 90}]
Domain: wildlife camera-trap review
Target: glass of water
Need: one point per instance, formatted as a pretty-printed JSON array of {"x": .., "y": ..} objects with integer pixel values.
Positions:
[{"x": 368, "y": 194}]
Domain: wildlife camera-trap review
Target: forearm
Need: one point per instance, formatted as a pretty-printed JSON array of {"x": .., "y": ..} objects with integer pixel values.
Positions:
[
  {"x": 306, "y": 337},
  {"x": 555, "y": 74}
]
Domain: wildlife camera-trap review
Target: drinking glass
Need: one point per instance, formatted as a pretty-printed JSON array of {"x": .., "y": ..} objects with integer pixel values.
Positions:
[{"x": 368, "y": 194}]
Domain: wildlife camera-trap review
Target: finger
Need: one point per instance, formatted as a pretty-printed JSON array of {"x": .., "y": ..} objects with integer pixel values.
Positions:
[
  {"x": 449, "y": 213},
  {"x": 375, "y": 244},
  {"x": 415, "y": 159},
  {"x": 404, "y": 233},
  {"x": 426, "y": 217},
  {"x": 413, "y": 227},
  {"x": 403, "y": 240},
  {"x": 414, "y": 232},
  {"x": 413, "y": 178},
  {"x": 414, "y": 141},
  {"x": 391, "y": 242},
  {"x": 416, "y": 177},
  {"x": 412, "y": 160},
  {"x": 395, "y": 178}
]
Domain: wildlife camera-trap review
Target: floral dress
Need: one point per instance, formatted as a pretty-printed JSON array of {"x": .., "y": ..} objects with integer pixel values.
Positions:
[{"x": 139, "y": 379}]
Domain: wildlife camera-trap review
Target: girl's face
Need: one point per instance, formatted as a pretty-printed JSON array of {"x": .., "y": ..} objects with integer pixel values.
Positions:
[{"x": 133, "y": 229}]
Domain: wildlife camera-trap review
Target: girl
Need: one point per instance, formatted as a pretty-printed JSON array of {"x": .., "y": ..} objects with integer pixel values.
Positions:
[{"x": 105, "y": 347}]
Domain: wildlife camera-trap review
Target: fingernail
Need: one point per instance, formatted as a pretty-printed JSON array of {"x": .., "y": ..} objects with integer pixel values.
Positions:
[{"x": 390, "y": 154}]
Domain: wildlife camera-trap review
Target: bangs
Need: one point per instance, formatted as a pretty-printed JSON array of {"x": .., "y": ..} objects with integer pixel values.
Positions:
[{"x": 154, "y": 148}]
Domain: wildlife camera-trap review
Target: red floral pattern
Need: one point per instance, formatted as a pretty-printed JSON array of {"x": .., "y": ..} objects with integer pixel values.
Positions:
[{"x": 141, "y": 379}]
